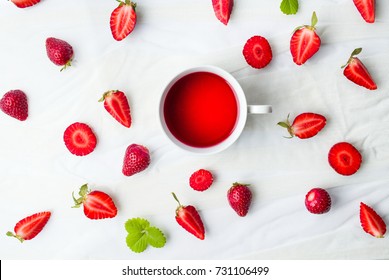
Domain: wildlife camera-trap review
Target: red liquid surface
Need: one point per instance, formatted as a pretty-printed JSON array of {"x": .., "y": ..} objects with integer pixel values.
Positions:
[{"x": 200, "y": 109}]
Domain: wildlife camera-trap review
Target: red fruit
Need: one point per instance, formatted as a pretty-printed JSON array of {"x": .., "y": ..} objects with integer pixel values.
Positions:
[
  {"x": 356, "y": 72},
  {"x": 371, "y": 222},
  {"x": 344, "y": 158},
  {"x": 14, "y": 103},
  {"x": 97, "y": 204},
  {"x": 189, "y": 219},
  {"x": 257, "y": 52},
  {"x": 79, "y": 139},
  {"x": 25, "y": 3},
  {"x": 123, "y": 19},
  {"x": 305, "y": 42},
  {"x": 59, "y": 52},
  {"x": 367, "y": 9},
  {"x": 223, "y": 9},
  {"x": 239, "y": 197},
  {"x": 318, "y": 201},
  {"x": 116, "y": 103},
  {"x": 201, "y": 180},
  {"x": 136, "y": 159},
  {"x": 305, "y": 125},
  {"x": 29, "y": 227}
]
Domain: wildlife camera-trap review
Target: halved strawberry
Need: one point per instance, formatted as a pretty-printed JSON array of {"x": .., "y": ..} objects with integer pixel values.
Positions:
[
  {"x": 305, "y": 42},
  {"x": 223, "y": 9},
  {"x": 201, "y": 180},
  {"x": 116, "y": 103},
  {"x": 123, "y": 19},
  {"x": 97, "y": 204},
  {"x": 367, "y": 9},
  {"x": 344, "y": 158},
  {"x": 79, "y": 139},
  {"x": 371, "y": 222},
  {"x": 305, "y": 125},
  {"x": 355, "y": 71},
  {"x": 257, "y": 52},
  {"x": 29, "y": 227},
  {"x": 25, "y": 3}
]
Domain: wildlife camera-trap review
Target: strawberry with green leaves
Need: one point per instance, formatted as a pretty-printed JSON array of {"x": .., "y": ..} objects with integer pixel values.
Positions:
[
  {"x": 356, "y": 71},
  {"x": 223, "y": 9},
  {"x": 371, "y": 222},
  {"x": 305, "y": 42},
  {"x": 25, "y": 3},
  {"x": 305, "y": 125},
  {"x": 188, "y": 217},
  {"x": 97, "y": 204},
  {"x": 367, "y": 9},
  {"x": 123, "y": 19},
  {"x": 31, "y": 226},
  {"x": 59, "y": 52},
  {"x": 116, "y": 103}
]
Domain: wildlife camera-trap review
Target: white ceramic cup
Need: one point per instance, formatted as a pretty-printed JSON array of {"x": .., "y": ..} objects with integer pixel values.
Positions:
[{"x": 243, "y": 110}]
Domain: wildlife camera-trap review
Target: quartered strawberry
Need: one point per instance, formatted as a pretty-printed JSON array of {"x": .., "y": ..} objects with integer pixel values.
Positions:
[
  {"x": 318, "y": 201},
  {"x": 189, "y": 219},
  {"x": 371, "y": 222},
  {"x": 14, "y": 103},
  {"x": 123, "y": 19},
  {"x": 97, "y": 205},
  {"x": 223, "y": 9},
  {"x": 25, "y": 3},
  {"x": 305, "y": 42},
  {"x": 367, "y": 9},
  {"x": 136, "y": 159},
  {"x": 201, "y": 180},
  {"x": 29, "y": 227},
  {"x": 116, "y": 103},
  {"x": 239, "y": 197},
  {"x": 355, "y": 71},
  {"x": 59, "y": 52},
  {"x": 79, "y": 139},
  {"x": 305, "y": 125},
  {"x": 257, "y": 52},
  {"x": 344, "y": 158}
]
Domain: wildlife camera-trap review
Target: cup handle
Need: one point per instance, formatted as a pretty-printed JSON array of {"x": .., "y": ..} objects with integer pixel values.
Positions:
[{"x": 259, "y": 109}]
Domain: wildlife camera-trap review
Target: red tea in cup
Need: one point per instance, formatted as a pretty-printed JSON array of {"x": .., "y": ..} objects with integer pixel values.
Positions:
[{"x": 201, "y": 109}]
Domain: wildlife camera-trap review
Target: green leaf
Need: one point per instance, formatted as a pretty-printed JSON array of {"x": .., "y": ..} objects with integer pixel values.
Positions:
[
  {"x": 289, "y": 7},
  {"x": 136, "y": 225},
  {"x": 137, "y": 241},
  {"x": 155, "y": 237}
]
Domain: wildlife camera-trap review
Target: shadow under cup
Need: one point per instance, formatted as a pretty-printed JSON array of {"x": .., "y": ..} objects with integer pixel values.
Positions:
[{"x": 203, "y": 110}]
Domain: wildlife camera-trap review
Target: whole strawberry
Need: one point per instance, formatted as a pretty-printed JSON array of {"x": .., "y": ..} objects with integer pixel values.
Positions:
[
  {"x": 136, "y": 159},
  {"x": 59, "y": 52},
  {"x": 239, "y": 197},
  {"x": 14, "y": 103},
  {"x": 318, "y": 201}
]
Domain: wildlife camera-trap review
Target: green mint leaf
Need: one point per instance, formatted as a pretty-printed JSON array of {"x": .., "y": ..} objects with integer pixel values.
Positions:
[
  {"x": 289, "y": 7},
  {"x": 136, "y": 225},
  {"x": 155, "y": 237},
  {"x": 137, "y": 241}
]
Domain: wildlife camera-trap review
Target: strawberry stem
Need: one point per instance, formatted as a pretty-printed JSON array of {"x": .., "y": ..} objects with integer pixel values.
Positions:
[
  {"x": 354, "y": 53},
  {"x": 175, "y": 197},
  {"x": 11, "y": 234}
]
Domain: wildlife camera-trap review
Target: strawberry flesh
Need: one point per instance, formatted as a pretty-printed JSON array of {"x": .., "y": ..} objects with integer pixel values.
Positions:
[
  {"x": 223, "y": 9},
  {"x": 371, "y": 222},
  {"x": 116, "y": 103},
  {"x": 257, "y": 52},
  {"x": 318, "y": 201},
  {"x": 201, "y": 180},
  {"x": 367, "y": 9},
  {"x": 25, "y": 3},
  {"x": 31, "y": 226},
  {"x": 79, "y": 139},
  {"x": 239, "y": 197},
  {"x": 14, "y": 103},
  {"x": 344, "y": 158},
  {"x": 123, "y": 20},
  {"x": 136, "y": 159}
]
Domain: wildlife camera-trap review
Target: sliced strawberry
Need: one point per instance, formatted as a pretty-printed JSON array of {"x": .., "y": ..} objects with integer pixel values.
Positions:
[
  {"x": 356, "y": 71},
  {"x": 318, "y": 201},
  {"x": 79, "y": 139},
  {"x": 29, "y": 227},
  {"x": 344, "y": 158},
  {"x": 223, "y": 9},
  {"x": 97, "y": 204},
  {"x": 25, "y": 3},
  {"x": 189, "y": 219},
  {"x": 305, "y": 125},
  {"x": 371, "y": 222},
  {"x": 201, "y": 180},
  {"x": 367, "y": 9},
  {"x": 305, "y": 42},
  {"x": 123, "y": 19},
  {"x": 257, "y": 52},
  {"x": 116, "y": 103}
]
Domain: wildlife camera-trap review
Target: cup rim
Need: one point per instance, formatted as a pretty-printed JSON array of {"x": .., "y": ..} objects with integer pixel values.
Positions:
[{"x": 241, "y": 116}]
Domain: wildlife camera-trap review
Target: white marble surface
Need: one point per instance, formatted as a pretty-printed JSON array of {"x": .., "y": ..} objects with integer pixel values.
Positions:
[{"x": 38, "y": 173}]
